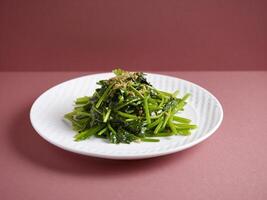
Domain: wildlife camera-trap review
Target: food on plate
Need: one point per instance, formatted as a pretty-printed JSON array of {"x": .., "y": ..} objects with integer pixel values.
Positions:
[{"x": 127, "y": 108}]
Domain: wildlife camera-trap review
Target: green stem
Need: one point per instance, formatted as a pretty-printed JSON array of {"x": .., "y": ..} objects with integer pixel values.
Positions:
[
  {"x": 149, "y": 140},
  {"x": 185, "y": 97},
  {"x": 111, "y": 129},
  {"x": 127, "y": 103},
  {"x": 82, "y": 100},
  {"x": 104, "y": 96},
  {"x": 184, "y": 132},
  {"x": 181, "y": 119},
  {"x": 165, "y": 94},
  {"x": 145, "y": 104},
  {"x": 155, "y": 123},
  {"x": 87, "y": 133},
  {"x": 95, "y": 109},
  {"x": 107, "y": 116},
  {"x": 167, "y": 117},
  {"x": 82, "y": 113},
  {"x": 73, "y": 121},
  {"x": 153, "y": 107},
  {"x": 136, "y": 91},
  {"x": 185, "y": 126},
  {"x": 158, "y": 127},
  {"x": 126, "y": 115},
  {"x": 102, "y": 131},
  {"x": 175, "y": 93},
  {"x": 179, "y": 106},
  {"x": 172, "y": 127},
  {"x": 156, "y": 116}
]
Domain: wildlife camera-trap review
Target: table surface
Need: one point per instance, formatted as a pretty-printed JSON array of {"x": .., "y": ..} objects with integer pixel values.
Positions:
[{"x": 232, "y": 164}]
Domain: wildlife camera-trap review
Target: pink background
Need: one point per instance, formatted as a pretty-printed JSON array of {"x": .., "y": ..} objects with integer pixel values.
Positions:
[
  {"x": 96, "y": 35},
  {"x": 182, "y": 36}
]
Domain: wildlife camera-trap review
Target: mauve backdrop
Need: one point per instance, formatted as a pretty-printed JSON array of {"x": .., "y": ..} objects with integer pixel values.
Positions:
[
  {"x": 79, "y": 37},
  {"x": 96, "y": 35}
]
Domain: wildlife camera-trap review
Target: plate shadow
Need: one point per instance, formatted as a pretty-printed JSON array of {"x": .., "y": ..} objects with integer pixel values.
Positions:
[{"x": 29, "y": 145}]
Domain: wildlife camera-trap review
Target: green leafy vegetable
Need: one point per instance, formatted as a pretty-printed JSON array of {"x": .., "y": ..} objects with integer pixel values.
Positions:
[{"x": 126, "y": 108}]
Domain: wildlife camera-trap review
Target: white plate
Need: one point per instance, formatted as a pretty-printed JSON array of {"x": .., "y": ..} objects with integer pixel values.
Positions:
[{"x": 48, "y": 110}]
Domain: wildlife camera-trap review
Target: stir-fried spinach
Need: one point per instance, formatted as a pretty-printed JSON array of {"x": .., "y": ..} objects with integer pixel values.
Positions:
[{"x": 127, "y": 108}]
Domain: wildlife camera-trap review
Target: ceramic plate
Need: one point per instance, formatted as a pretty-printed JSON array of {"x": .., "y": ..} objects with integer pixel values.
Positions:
[{"x": 47, "y": 113}]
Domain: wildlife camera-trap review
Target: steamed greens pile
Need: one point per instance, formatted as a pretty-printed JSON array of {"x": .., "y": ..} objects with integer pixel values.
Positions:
[{"x": 127, "y": 108}]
